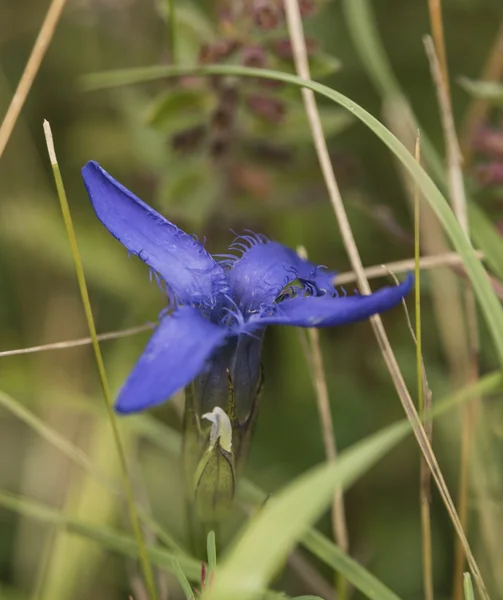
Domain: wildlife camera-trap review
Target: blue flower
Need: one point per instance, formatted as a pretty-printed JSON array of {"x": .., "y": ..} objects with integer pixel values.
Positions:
[{"x": 223, "y": 305}]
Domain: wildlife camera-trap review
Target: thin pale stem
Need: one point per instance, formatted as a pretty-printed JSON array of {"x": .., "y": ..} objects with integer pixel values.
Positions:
[
  {"x": 315, "y": 360},
  {"x": 459, "y": 205},
  {"x": 446, "y": 259},
  {"x": 424, "y": 406},
  {"x": 101, "y": 337},
  {"x": 437, "y": 31},
  {"x": 302, "y": 68},
  {"x": 30, "y": 72},
  {"x": 338, "y": 513},
  {"x": 133, "y": 514}
]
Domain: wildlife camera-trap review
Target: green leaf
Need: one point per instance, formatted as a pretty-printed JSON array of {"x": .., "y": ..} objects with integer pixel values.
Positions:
[
  {"x": 178, "y": 108},
  {"x": 266, "y": 542},
  {"x": 488, "y": 301},
  {"x": 468, "y": 587},
  {"x": 190, "y": 190},
  {"x": 485, "y": 90}
]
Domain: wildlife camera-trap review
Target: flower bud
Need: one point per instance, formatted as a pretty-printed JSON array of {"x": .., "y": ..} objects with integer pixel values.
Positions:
[
  {"x": 490, "y": 173},
  {"x": 266, "y": 107},
  {"x": 489, "y": 141},
  {"x": 225, "y": 395},
  {"x": 214, "y": 481},
  {"x": 267, "y": 14}
]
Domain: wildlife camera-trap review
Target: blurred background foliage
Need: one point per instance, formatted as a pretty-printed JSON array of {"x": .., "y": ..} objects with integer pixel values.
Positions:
[{"x": 212, "y": 155}]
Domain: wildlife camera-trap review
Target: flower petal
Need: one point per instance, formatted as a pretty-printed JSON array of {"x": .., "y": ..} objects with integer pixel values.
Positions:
[
  {"x": 174, "y": 356},
  {"x": 189, "y": 270},
  {"x": 265, "y": 268},
  {"x": 326, "y": 311}
]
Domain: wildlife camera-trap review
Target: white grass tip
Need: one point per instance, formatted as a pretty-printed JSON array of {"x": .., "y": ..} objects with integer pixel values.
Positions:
[{"x": 50, "y": 142}]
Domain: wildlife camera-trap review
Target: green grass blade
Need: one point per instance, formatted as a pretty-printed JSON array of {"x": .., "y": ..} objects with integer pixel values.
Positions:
[
  {"x": 468, "y": 587},
  {"x": 488, "y": 301},
  {"x": 170, "y": 441},
  {"x": 366, "y": 40},
  {"x": 113, "y": 540},
  {"x": 80, "y": 458},
  {"x": 72, "y": 238},
  {"x": 362, "y": 28},
  {"x": 330, "y": 554},
  {"x": 212, "y": 554},
  {"x": 118, "y": 542},
  {"x": 182, "y": 580},
  {"x": 54, "y": 438},
  {"x": 491, "y": 91},
  {"x": 266, "y": 542}
]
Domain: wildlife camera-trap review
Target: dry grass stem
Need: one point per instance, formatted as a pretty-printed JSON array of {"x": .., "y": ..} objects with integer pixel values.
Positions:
[
  {"x": 30, "y": 72},
  {"x": 112, "y": 335},
  {"x": 454, "y": 159},
  {"x": 458, "y": 202},
  {"x": 450, "y": 259},
  {"x": 446, "y": 259},
  {"x": 315, "y": 359},
  {"x": 302, "y": 67},
  {"x": 424, "y": 405},
  {"x": 437, "y": 31}
]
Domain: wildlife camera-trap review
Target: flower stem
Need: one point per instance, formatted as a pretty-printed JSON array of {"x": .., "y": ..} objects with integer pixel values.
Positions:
[
  {"x": 133, "y": 515},
  {"x": 424, "y": 406}
]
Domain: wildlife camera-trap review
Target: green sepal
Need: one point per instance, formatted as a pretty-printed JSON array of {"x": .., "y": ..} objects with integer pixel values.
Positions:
[{"x": 214, "y": 484}]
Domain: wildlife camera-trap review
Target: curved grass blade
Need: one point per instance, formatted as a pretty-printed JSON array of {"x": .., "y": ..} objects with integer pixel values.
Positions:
[
  {"x": 488, "y": 301},
  {"x": 113, "y": 540},
  {"x": 80, "y": 458},
  {"x": 359, "y": 18},
  {"x": 79, "y": 270},
  {"x": 268, "y": 539},
  {"x": 116, "y": 541},
  {"x": 312, "y": 540}
]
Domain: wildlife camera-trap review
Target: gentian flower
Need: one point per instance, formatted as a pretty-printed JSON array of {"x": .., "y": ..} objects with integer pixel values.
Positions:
[{"x": 211, "y": 343}]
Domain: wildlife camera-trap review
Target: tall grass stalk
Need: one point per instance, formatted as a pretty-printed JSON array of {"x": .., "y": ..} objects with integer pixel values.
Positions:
[
  {"x": 459, "y": 205},
  {"x": 315, "y": 361},
  {"x": 424, "y": 405},
  {"x": 30, "y": 72},
  {"x": 133, "y": 514},
  {"x": 302, "y": 68}
]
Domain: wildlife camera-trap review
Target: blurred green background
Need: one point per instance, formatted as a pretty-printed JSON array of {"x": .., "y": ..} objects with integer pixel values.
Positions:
[{"x": 267, "y": 181}]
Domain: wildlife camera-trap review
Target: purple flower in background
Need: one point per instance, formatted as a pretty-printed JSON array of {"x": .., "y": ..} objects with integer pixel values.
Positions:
[{"x": 223, "y": 305}]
